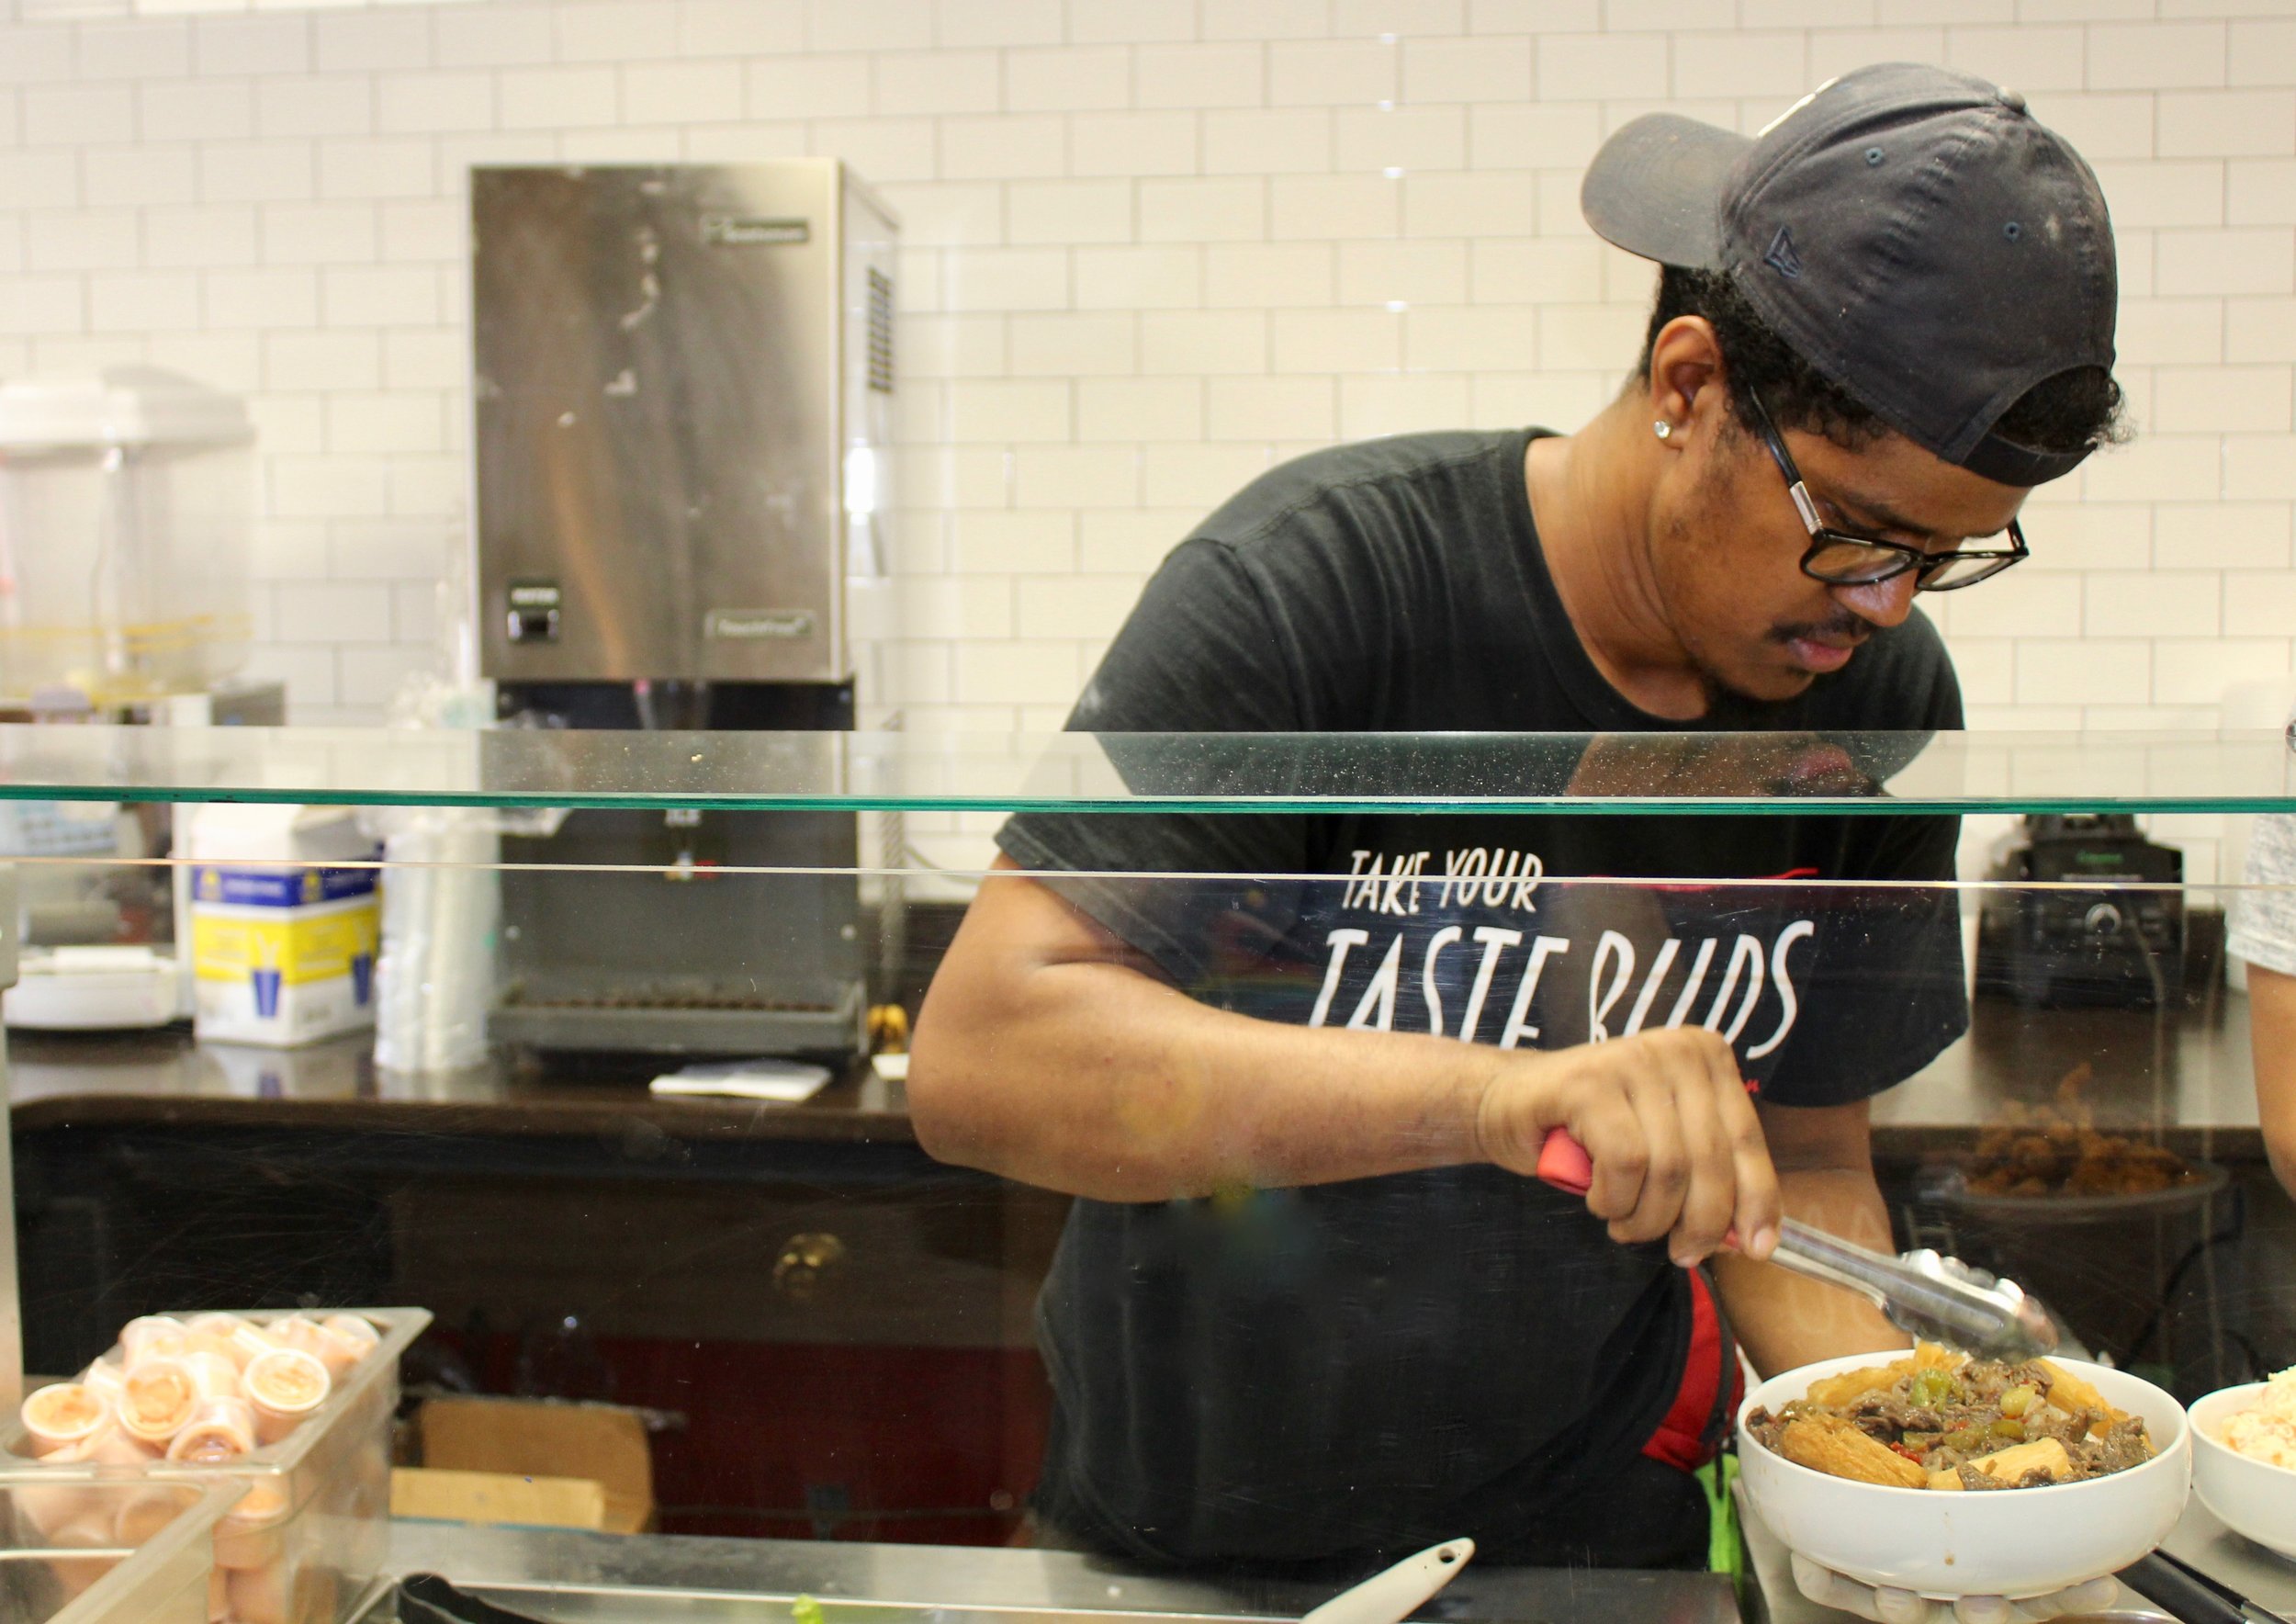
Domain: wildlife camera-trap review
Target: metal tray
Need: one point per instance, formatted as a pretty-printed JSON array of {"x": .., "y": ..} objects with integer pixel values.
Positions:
[
  {"x": 605, "y": 1605},
  {"x": 566, "y": 1576},
  {"x": 1949, "y": 1190},
  {"x": 636, "y": 1029}
]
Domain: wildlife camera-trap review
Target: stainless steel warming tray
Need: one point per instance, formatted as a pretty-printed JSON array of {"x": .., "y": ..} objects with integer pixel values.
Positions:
[{"x": 582, "y": 1578}]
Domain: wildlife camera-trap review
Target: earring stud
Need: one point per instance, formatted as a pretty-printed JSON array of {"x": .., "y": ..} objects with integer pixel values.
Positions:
[{"x": 1662, "y": 429}]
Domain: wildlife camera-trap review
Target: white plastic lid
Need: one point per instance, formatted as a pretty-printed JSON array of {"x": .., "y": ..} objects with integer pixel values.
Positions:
[
  {"x": 119, "y": 406},
  {"x": 126, "y": 959}
]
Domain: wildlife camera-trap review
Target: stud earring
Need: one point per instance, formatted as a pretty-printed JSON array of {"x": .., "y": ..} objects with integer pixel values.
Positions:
[{"x": 1662, "y": 429}]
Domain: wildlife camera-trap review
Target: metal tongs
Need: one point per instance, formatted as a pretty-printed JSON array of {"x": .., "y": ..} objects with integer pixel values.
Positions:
[
  {"x": 1926, "y": 1294},
  {"x": 1923, "y": 1293}
]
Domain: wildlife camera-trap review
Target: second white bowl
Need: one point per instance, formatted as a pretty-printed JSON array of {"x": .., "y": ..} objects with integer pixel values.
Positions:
[{"x": 2249, "y": 1498}]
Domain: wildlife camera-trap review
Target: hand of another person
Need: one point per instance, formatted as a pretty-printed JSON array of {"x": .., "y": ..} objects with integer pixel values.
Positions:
[
  {"x": 1677, "y": 1151},
  {"x": 1886, "y": 1605}
]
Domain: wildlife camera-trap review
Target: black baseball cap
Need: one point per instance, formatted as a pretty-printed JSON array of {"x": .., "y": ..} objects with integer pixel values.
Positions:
[{"x": 1913, "y": 234}]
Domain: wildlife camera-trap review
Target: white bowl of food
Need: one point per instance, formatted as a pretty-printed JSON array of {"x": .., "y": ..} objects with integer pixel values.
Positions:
[
  {"x": 2243, "y": 1459},
  {"x": 1900, "y": 1512}
]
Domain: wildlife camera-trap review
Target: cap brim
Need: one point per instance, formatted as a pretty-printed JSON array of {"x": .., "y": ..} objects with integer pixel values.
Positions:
[{"x": 1655, "y": 188}]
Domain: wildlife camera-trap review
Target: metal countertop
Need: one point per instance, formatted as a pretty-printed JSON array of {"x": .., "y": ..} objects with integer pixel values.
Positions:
[
  {"x": 565, "y": 1574},
  {"x": 572, "y": 1576}
]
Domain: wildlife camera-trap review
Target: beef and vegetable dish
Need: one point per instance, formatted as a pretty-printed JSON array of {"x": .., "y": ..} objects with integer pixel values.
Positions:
[{"x": 1940, "y": 1420}]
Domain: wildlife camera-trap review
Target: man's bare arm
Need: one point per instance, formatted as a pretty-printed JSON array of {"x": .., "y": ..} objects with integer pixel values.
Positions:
[
  {"x": 2272, "y": 1040},
  {"x": 1824, "y": 1157},
  {"x": 1050, "y": 1051}
]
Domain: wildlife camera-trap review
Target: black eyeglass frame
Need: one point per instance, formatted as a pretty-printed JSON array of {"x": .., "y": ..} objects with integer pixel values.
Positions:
[{"x": 1823, "y": 536}]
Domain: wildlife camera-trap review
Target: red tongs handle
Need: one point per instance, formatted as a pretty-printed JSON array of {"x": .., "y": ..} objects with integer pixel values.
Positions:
[{"x": 1563, "y": 1163}]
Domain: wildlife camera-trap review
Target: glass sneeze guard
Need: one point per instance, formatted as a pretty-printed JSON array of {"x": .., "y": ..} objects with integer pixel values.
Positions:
[
  {"x": 2242, "y": 770},
  {"x": 2061, "y": 1083}
]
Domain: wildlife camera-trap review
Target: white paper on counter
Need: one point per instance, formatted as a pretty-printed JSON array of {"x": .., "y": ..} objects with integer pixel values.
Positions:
[{"x": 781, "y": 1082}]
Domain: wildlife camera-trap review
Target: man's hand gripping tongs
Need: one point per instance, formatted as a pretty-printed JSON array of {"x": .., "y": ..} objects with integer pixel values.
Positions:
[{"x": 1925, "y": 1295}]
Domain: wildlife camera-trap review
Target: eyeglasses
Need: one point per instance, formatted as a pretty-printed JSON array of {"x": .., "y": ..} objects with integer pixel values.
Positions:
[{"x": 1844, "y": 558}]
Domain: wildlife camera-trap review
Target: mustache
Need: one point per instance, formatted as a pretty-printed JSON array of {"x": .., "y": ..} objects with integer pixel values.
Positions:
[{"x": 1844, "y": 627}]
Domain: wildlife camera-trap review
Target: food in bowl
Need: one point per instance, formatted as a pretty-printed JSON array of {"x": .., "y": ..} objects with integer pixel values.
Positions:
[
  {"x": 1941, "y": 1420},
  {"x": 1947, "y": 1546},
  {"x": 2265, "y": 1429}
]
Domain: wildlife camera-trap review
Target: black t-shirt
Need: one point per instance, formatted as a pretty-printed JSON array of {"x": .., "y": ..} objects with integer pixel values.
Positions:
[{"x": 1357, "y": 1369}]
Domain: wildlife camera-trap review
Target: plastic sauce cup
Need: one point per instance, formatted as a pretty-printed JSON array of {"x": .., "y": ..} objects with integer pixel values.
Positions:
[
  {"x": 285, "y": 1386},
  {"x": 220, "y": 1429},
  {"x": 157, "y": 1397},
  {"x": 66, "y": 1413}
]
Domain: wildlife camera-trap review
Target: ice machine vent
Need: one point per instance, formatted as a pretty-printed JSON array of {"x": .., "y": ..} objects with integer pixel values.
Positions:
[{"x": 880, "y": 332}]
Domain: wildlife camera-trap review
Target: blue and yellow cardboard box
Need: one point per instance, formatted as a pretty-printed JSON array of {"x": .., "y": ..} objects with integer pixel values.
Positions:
[{"x": 283, "y": 951}]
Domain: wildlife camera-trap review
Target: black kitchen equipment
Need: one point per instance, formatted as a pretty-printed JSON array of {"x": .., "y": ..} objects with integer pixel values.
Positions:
[{"x": 2093, "y": 918}]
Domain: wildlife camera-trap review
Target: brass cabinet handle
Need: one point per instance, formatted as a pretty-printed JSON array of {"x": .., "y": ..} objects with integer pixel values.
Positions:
[{"x": 808, "y": 1262}]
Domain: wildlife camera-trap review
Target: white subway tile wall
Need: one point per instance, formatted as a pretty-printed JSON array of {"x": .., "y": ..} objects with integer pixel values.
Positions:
[{"x": 1151, "y": 246}]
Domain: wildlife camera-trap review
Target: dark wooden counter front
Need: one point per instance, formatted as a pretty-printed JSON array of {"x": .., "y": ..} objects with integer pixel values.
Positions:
[{"x": 802, "y": 1285}]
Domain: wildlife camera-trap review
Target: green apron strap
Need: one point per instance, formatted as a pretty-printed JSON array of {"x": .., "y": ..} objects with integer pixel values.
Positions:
[{"x": 1726, "y": 1549}]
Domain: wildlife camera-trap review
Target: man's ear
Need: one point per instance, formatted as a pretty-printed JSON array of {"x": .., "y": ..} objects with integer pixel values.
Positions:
[{"x": 1686, "y": 369}]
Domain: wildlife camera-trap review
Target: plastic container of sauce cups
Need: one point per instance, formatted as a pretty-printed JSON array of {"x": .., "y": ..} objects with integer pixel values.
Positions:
[{"x": 293, "y": 1412}]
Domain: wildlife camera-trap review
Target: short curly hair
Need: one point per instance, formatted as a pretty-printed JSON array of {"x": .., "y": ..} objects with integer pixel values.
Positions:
[{"x": 2078, "y": 410}]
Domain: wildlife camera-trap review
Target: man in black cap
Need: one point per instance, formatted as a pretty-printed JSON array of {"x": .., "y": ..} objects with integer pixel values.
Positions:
[{"x": 1310, "y": 1309}]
